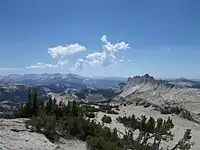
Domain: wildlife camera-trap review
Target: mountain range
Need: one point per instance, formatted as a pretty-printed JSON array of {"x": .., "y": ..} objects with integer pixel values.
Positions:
[
  {"x": 13, "y": 87},
  {"x": 67, "y": 80},
  {"x": 186, "y": 82}
]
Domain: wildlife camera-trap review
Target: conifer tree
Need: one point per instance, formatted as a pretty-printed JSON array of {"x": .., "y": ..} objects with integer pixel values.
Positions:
[
  {"x": 35, "y": 102},
  {"x": 74, "y": 108},
  {"x": 49, "y": 105}
]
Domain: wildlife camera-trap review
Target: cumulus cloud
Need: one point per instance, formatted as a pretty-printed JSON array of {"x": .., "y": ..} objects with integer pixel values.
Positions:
[
  {"x": 78, "y": 65},
  {"x": 113, "y": 47},
  {"x": 60, "y": 52},
  {"x": 129, "y": 60},
  {"x": 104, "y": 58},
  {"x": 104, "y": 39}
]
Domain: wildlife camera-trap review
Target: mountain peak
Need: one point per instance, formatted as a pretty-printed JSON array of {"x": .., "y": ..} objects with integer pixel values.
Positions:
[{"x": 142, "y": 79}]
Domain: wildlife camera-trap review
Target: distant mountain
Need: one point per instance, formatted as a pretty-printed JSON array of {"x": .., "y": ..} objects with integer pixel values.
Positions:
[
  {"x": 64, "y": 80},
  {"x": 186, "y": 82},
  {"x": 15, "y": 87},
  {"x": 18, "y": 93}
]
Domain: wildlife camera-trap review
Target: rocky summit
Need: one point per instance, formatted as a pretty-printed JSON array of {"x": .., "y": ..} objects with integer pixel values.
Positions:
[{"x": 165, "y": 97}]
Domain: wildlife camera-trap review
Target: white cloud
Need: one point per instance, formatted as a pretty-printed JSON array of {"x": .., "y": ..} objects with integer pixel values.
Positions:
[
  {"x": 116, "y": 47},
  {"x": 106, "y": 57},
  {"x": 113, "y": 47},
  {"x": 129, "y": 60},
  {"x": 104, "y": 39},
  {"x": 78, "y": 64},
  {"x": 60, "y": 52},
  {"x": 61, "y": 63},
  {"x": 95, "y": 58},
  {"x": 43, "y": 65}
]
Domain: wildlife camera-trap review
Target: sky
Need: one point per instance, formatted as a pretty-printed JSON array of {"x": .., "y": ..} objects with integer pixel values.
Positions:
[{"x": 110, "y": 38}]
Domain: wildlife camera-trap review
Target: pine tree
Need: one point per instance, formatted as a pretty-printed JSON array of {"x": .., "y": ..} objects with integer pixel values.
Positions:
[
  {"x": 150, "y": 125},
  {"x": 22, "y": 111},
  {"x": 75, "y": 109},
  {"x": 29, "y": 95},
  {"x": 54, "y": 102},
  {"x": 35, "y": 102},
  {"x": 28, "y": 106},
  {"x": 184, "y": 143},
  {"x": 49, "y": 106}
]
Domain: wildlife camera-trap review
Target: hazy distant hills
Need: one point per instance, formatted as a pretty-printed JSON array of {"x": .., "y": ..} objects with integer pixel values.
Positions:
[
  {"x": 185, "y": 82},
  {"x": 15, "y": 87},
  {"x": 64, "y": 80}
]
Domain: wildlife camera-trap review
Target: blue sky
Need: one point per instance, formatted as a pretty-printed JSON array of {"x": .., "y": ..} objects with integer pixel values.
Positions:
[{"x": 101, "y": 38}]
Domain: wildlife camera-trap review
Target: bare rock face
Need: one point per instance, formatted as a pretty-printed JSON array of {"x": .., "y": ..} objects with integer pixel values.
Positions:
[{"x": 167, "y": 97}]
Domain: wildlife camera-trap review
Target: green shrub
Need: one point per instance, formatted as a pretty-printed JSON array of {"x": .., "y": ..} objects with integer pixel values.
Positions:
[
  {"x": 106, "y": 119},
  {"x": 117, "y": 109},
  {"x": 90, "y": 115},
  {"x": 106, "y": 140},
  {"x": 50, "y": 128},
  {"x": 105, "y": 108},
  {"x": 112, "y": 112},
  {"x": 88, "y": 108}
]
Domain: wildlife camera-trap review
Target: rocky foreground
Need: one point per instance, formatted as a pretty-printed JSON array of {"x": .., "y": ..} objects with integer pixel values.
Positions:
[
  {"x": 180, "y": 127},
  {"x": 15, "y": 136}
]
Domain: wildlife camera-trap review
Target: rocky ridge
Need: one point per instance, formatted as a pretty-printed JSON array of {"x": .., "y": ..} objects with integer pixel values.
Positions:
[{"x": 165, "y": 97}]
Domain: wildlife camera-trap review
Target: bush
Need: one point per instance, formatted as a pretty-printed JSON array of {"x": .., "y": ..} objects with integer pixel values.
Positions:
[
  {"x": 105, "y": 108},
  {"x": 106, "y": 119},
  {"x": 112, "y": 112},
  {"x": 90, "y": 115},
  {"x": 90, "y": 109},
  {"x": 117, "y": 109},
  {"x": 147, "y": 105},
  {"x": 50, "y": 128},
  {"x": 105, "y": 140}
]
